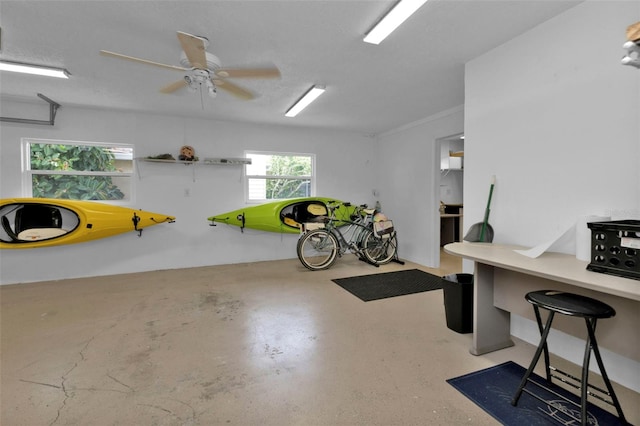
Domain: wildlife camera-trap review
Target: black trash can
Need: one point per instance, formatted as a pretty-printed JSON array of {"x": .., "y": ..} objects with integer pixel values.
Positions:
[{"x": 458, "y": 302}]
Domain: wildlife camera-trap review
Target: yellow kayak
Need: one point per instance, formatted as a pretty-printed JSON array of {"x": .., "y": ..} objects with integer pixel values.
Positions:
[{"x": 46, "y": 222}]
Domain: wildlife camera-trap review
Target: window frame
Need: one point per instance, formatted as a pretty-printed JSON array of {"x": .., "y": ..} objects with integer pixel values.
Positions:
[
  {"x": 28, "y": 172},
  {"x": 247, "y": 177}
]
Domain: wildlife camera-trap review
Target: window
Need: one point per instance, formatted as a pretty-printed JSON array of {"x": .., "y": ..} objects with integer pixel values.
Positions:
[
  {"x": 77, "y": 170},
  {"x": 277, "y": 176}
]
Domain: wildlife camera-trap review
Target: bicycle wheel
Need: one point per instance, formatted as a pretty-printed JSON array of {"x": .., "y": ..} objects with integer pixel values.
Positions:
[
  {"x": 380, "y": 251},
  {"x": 317, "y": 249}
]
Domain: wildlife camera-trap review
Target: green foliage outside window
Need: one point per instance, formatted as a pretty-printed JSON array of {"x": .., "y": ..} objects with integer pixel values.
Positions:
[
  {"x": 282, "y": 187},
  {"x": 70, "y": 158}
]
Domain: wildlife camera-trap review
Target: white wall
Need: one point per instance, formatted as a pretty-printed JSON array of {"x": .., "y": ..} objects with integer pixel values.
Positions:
[
  {"x": 409, "y": 183},
  {"x": 556, "y": 117},
  {"x": 345, "y": 163},
  {"x": 551, "y": 113}
]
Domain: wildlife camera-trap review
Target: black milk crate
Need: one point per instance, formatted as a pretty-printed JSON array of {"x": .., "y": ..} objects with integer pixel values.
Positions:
[{"x": 615, "y": 248}]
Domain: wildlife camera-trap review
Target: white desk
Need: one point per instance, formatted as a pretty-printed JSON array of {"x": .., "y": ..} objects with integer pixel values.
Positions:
[{"x": 503, "y": 277}]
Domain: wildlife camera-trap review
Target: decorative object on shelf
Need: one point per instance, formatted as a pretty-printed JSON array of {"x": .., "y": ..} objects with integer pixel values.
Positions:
[
  {"x": 46, "y": 222},
  {"x": 167, "y": 157},
  {"x": 187, "y": 153}
]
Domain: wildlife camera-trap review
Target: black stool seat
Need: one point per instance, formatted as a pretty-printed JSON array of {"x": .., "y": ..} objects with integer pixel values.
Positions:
[
  {"x": 574, "y": 305},
  {"x": 570, "y": 304}
]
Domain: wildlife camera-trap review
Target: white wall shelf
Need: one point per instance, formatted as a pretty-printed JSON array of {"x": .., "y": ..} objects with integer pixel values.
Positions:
[
  {"x": 227, "y": 161},
  {"x": 223, "y": 161}
]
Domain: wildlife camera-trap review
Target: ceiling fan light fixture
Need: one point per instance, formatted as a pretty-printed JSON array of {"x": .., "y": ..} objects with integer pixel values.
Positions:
[
  {"x": 309, "y": 96},
  {"x": 33, "y": 69},
  {"x": 191, "y": 85},
  {"x": 211, "y": 88},
  {"x": 392, "y": 20}
]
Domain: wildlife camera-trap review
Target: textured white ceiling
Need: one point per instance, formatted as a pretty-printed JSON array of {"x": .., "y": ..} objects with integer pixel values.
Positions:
[{"x": 417, "y": 72}]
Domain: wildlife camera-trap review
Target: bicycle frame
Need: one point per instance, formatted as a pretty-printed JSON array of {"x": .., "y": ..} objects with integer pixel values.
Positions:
[
  {"x": 318, "y": 248},
  {"x": 352, "y": 237}
]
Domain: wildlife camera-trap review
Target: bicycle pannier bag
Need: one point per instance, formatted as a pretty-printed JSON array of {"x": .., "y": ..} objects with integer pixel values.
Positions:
[{"x": 383, "y": 228}]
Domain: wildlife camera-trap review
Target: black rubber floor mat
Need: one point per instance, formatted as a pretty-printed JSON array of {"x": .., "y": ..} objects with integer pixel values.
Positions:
[{"x": 389, "y": 284}]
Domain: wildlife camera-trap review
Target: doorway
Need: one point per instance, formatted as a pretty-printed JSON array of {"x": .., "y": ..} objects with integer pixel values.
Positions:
[{"x": 450, "y": 187}]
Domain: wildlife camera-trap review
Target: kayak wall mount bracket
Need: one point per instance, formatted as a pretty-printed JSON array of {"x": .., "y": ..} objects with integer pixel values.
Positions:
[
  {"x": 135, "y": 219},
  {"x": 53, "y": 109},
  {"x": 241, "y": 218}
]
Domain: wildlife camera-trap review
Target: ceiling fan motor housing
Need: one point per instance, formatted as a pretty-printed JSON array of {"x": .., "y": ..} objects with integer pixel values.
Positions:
[{"x": 199, "y": 79}]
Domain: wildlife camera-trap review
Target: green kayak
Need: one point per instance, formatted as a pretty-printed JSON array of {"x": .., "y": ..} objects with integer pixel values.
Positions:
[{"x": 285, "y": 216}]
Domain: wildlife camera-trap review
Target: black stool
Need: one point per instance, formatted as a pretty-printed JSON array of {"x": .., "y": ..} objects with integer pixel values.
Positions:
[{"x": 576, "y": 306}]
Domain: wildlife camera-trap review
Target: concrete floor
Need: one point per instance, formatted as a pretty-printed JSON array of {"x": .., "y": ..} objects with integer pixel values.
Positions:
[{"x": 265, "y": 343}]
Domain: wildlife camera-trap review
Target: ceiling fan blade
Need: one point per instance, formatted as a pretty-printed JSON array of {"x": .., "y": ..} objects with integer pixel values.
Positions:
[
  {"x": 194, "y": 49},
  {"x": 170, "y": 88},
  {"x": 248, "y": 72},
  {"x": 234, "y": 89},
  {"x": 144, "y": 61}
]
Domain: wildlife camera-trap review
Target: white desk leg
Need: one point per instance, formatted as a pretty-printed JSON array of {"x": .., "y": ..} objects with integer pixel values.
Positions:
[{"x": 491, "y": 325}]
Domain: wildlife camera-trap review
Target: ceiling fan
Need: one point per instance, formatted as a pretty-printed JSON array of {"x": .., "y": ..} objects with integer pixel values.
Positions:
[{"x": 203, "y": 70}]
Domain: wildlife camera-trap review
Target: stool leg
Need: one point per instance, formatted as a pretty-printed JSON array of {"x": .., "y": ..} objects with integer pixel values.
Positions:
[
  {"x": 547, "y": 370},
  {"x": 541, "y": 347},
  {"x": 593, "y": 344},
  {"x": 585, "y": 376}
]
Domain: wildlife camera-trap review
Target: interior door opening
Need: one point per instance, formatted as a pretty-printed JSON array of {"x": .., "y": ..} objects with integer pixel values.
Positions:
[{"x": 450, "y": 187}]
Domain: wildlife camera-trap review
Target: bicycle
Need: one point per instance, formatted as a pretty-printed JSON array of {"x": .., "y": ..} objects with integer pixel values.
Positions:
[{"x": 319, "y": 248}]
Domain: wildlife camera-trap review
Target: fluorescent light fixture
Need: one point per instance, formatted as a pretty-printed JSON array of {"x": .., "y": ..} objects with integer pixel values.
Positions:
[
  {"x": 33, "y": 69},
  {"x": 392, "y": 20},
  {"x": 305, "y": 100}
]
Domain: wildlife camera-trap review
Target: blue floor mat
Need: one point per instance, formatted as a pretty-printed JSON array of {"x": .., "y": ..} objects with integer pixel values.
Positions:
[{"x": 492, "y": 389}]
